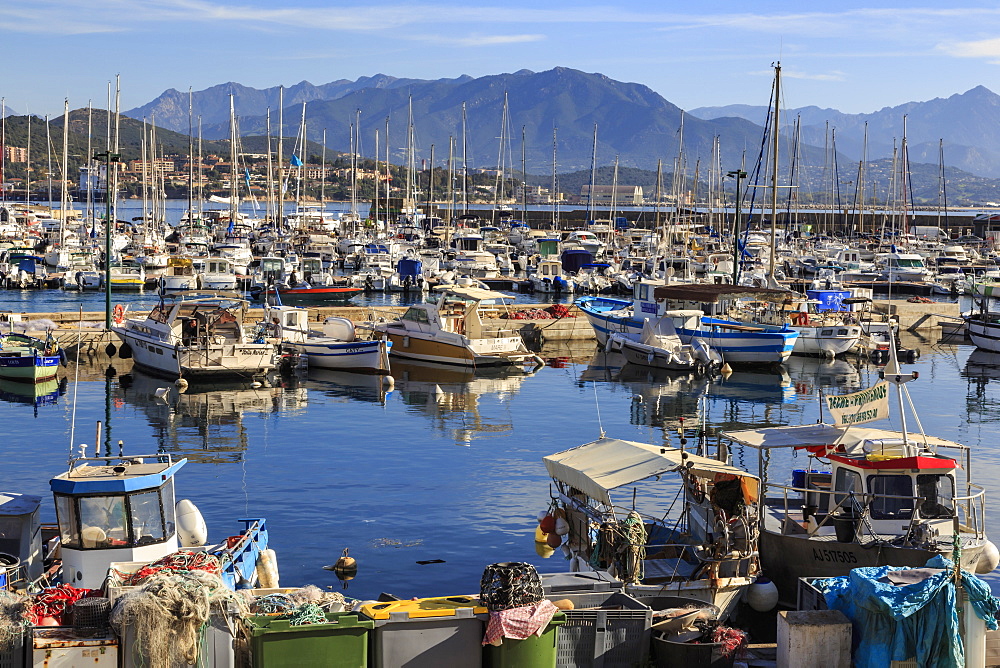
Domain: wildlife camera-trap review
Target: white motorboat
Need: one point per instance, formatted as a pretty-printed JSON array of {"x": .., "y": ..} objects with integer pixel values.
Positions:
[
  {"x": 660, "y": 347},
  {"x": 451, "y": 329},
  {"x": 335, "y": 347},
  {"x": 193, "y": 335}
]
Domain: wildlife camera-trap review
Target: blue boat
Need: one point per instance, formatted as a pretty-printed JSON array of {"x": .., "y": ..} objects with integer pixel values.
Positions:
[
  {"x": 27, "y": 359},
  {"x": 743, "y": 342}
]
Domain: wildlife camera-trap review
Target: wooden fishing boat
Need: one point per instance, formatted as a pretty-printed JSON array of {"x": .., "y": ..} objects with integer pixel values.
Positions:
[
  {"x": 312, "y": 295},
  {"x": 27, "y": 359}
]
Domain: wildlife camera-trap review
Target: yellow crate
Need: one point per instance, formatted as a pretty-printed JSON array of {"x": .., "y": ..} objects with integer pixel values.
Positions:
[{"x": 443, "y": 606}]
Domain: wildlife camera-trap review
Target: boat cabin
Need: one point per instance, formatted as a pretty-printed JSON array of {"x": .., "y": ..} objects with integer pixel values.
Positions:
[
  {"x": 114, "y": 509},
  {"x": 20, "y": 538}
]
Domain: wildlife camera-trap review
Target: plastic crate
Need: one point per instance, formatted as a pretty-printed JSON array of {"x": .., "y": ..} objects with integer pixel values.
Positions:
[
  {"x": 532, "y": 652},
  {"x": 614, "y": 633},
  {"x": 427, "y": 633},
  {"x": 340, "y": 643},
  {"x": 585, "y": 581},
  {"x": 809, "y": 597}
]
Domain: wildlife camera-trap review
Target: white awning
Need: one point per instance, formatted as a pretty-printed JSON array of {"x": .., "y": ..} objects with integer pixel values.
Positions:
[
  {"x": 809, "y": 435},
  {"x": 608, "y": 463}
]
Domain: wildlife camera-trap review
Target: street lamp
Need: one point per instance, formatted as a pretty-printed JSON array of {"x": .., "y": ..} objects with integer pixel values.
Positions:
[
  {"x": 108, "y": 157},
  {"x": 739, "y": 175}
]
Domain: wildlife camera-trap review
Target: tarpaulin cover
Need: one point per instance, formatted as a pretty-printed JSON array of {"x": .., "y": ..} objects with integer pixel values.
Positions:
[{"x": 919, "y": 620}]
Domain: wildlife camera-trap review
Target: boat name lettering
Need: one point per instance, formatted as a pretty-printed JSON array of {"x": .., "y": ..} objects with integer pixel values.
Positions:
[
  {"x": 840, "y": 556},
  {"x": 879, "y": 391},
  {"x": 858, "y": 407}
]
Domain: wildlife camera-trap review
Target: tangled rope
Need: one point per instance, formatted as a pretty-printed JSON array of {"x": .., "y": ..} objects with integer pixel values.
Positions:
[
  {"x": 733, "y": 641},
  {"x": 183, "y": 561},
  {"x": 15, "y": 611},
  {"x": 169, "y": 612},
  {"x": 632, "y": 549},
  {"x": 310, "y": 613},
  {"x": 55, "y": 601}
]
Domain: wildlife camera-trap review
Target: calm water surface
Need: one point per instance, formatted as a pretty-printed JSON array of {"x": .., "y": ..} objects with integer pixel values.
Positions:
[{"x": 447, "y": 465}]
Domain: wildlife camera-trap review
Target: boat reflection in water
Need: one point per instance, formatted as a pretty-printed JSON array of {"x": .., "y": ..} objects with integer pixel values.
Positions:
[
  {"x": 982, "y": 367},
  {"x": 349, "y": 386},
  {"x": 450, "y": 396},
  {"x": 661, "y": 397},
  {"x": 32, "y": 394},
  {"x": 811, "y": 375},
  {"x": 205, "y": 422}
]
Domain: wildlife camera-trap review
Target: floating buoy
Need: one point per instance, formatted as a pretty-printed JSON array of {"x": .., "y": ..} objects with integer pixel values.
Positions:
[
  {"x": 346, "y": 567},
  {"x": 726, "y": 370},
  {"x": 540, "y": 535},
  {"x": 181, "y": 384},
  {"x": 553, "y": 540},
  {"x": 389, "y": 380},
  {"x": 559, "y": 513},
  {"x": 562, "y": 527},
  {"x": 125, "y": 352},
  {"x": 111, "y": 349},
  {"x": 541, "y": 515},
  {"x": 989, "y": 559},
  {"x": 543, "y": 550},
  {"x": 548, "y": 524},
  {"x": 762, "y": 595}
]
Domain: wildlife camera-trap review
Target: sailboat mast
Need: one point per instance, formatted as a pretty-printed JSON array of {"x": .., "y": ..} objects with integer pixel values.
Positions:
[
  {"x": 190, "y": 152},
  {"x": 593, "y": 178},
  {"x": 774, "y": 170},
  {"x": 64, "y": 191},
  {"x": 554, "y": 193},
  {"x": 280, "y": 208},
  {"x": 465, "y": 165},
  {"x": 233, "y": 157}
]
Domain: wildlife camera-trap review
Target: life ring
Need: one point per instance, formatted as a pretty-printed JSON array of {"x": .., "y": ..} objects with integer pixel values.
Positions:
[{"x": 119, "y": 314}]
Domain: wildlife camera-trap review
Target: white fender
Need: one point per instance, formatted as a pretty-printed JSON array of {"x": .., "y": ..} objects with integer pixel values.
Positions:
[
  {"x": 191, "y": 529},
  {"x": 267, "y": 569}
]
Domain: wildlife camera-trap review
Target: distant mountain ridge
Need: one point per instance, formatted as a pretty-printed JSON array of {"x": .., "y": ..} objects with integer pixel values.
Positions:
[
  {"x": 969, "y": 124},
  {"x": 634, "y": 123}
]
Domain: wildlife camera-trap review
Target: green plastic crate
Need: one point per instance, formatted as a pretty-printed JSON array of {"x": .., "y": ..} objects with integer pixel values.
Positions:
[
  {"x": 340, "y": 643},
  {"x": 533, "y": 652}
]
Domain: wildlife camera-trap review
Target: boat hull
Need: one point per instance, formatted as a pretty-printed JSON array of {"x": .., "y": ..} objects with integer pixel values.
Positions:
[
  {"x": 984, "y": 333},
  {"x": 412, "y": 345},
  {"x": 786, "y": 558},
  {"x": 213, "y": 361},
  {"x": 28, "y": 368},
  {"x": 314, "y": 295},
  {"x": 767, "y": 345},
  {"x": 646, "y": 355},
  {"x": 367, "y": 356},
  {"x": 826, "y": 341}
]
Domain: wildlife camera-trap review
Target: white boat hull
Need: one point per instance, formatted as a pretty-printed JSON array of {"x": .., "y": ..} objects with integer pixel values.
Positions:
[
  {"x": 201, "y": 361},
  {"x": 325, "y": 353}
]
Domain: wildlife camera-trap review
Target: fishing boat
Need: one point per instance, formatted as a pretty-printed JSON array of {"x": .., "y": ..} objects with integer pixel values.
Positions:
[
  {"x": 751, "y": 340},
  {"x": 983, "y": 328},
  {"x": 452, "y": 329},
  {"x": 332, "y": 294},
  {"x": 866, "y": 496},
  {"x": 826, "y": 325},
  {"x": 28, "y": 359},
  {"x": 113, "y": 510},
  {"x": 195, "y": 334},
  {"x": 660, "y": 347},
  {"x": 336, "y": 346},
  {"x": 706, "y": 549}
]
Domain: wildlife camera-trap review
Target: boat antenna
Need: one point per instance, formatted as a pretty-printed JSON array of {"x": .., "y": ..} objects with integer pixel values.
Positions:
[
  {"x": 76, "y": 388},
  {"x": 597, "y": 405}
]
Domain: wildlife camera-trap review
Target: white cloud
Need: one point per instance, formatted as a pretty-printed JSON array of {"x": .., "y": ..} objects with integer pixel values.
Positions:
[{"x": 984, "y": 48}]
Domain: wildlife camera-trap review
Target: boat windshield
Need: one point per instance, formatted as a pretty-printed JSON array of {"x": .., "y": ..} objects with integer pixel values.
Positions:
[
  {"x": 907, "y": 262},
  {"x": 889, "y": 507},
  {"x": 416, "y": 315},
  {"x": 938, "y": 494},
  {"x": 116, "y": 521}
]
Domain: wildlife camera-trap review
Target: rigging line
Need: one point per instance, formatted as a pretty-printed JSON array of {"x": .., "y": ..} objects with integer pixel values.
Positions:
[
  {"x": 76, "y": 385},
  {"x": 597, "y": 405}
]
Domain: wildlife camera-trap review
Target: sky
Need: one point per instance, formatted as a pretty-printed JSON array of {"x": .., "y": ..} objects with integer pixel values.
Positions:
[{"x": 852, "y": 56}]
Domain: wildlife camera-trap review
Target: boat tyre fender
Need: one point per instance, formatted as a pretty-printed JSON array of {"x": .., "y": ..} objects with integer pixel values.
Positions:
[{"x": 125, "y": 352}]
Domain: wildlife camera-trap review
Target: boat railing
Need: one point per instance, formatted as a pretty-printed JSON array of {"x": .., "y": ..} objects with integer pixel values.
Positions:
[{"x": 970, "y": 510}]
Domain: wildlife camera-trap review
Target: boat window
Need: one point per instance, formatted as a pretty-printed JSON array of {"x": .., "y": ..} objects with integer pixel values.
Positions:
[
  {"x": 69, "y": 534},
  {"x": 10, "y": 535},
  {"x": 102, "y": 522},
  {"x": 415, "y": 315},
  {"x": 826, "y": 332},
  {"x": 883, "y": 508},
  {"x": 147, "y": 518},
  {"x": 938, "y": 490},
  {"x": 846, "y": 481}
]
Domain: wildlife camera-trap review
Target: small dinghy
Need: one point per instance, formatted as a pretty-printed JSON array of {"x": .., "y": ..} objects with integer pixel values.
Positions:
[{"x": 659, "y": 346}]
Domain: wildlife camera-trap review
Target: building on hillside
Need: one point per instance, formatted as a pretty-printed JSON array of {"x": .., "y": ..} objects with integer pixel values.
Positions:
[{"x": 620, "y": 195}]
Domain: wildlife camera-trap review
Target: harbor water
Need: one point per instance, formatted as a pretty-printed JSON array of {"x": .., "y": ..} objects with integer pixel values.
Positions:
[{"x": 446, "y": 466}]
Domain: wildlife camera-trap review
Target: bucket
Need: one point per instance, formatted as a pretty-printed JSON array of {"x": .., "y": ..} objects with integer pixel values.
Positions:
[
  {"x": 669, "y": 654},
  {"x": 9, "y": 565},
  {"x": 846, "y": 526}
]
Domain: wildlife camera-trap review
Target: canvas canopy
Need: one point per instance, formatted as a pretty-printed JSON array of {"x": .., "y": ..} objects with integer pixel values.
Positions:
[
  {"x": 608, "y": 463},
  {"x": 810, "y": 435},
  {"x": 472, "y": 293}
]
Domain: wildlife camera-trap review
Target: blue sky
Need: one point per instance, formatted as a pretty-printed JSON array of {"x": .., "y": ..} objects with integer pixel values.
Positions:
[{"x": 852, "y": 56}]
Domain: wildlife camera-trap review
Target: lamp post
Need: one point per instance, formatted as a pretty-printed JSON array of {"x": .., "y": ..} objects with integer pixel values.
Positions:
[
  {"x": 739, "y": 175},
  {"x": 108, "y": 157}
]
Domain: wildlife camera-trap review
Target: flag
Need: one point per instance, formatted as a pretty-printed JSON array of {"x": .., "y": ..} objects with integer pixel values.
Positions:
[
  {"x": 246, "y": 176},
  {"x": 295, "y": 162}
]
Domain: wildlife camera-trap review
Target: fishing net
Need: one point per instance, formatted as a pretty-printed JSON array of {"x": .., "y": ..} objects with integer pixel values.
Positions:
[
  {"x": 169, "y": 612},
  {"x": 182, "y": 561},
  {"x": 14, "y": 612},
  {"x": 57, "y": 603},
  {"x": 286, "y": 602}
]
